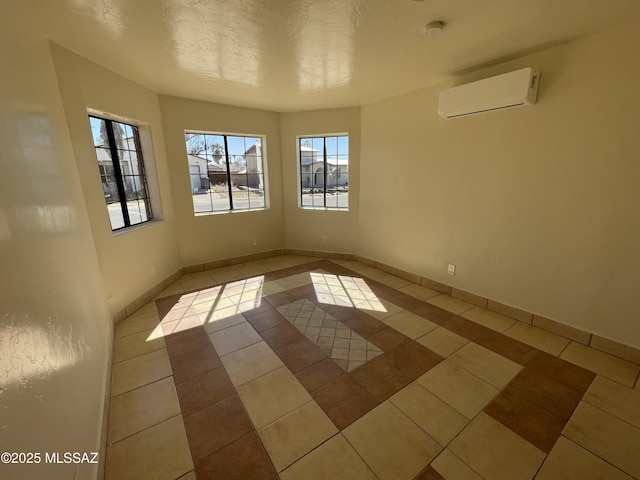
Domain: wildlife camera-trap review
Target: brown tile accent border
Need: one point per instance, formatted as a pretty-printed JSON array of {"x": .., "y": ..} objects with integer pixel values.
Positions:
[
  {"x": 387, "y": 338},
  {"x": 535, "y": 424},
  {"x": 430, "y": 473},
  {"x": 245, "y": 458},
  {"x": 281, "y": 336},
  {"x": 508, "y": 347},
  {"x": 539, "y": 401},
  {"x": 319, "y": 374},
  {"x": 380, "y": 378},
  {"x": 344, "y": 401},
  {"x": 300, "y": 354},
  {"x": 194, "y": 363},
  {"x": 203, "y": 390},
  {"x": 216, "y": 426}
]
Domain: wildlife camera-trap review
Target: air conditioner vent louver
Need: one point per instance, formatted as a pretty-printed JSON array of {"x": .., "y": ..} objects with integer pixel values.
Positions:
[{"x": 509, "y": 90}]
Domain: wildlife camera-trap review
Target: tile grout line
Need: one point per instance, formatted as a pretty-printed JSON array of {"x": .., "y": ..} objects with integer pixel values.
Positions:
[
  {"x": 563, "y": 350},
  {"x": 354, "y": 448},
  {"x": 412, "y": 421},
  {"x": 142, "y": 385},
  {"x": 463, "y": 462},
  {"x": 136, "y": 356},
  {"x": 179, "y": 414},
  {"x": 595, "y": 455},
  {"x": 605, "y": 412}
]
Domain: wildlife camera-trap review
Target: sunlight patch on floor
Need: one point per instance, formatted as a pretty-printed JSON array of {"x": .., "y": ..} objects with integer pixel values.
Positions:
[
  {"x": 345, "y": 291},
  {"x": 210, "y": 305}
]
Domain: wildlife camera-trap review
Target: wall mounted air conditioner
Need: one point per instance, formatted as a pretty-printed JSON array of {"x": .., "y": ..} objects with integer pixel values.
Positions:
[{"x": 509, "y": 90}]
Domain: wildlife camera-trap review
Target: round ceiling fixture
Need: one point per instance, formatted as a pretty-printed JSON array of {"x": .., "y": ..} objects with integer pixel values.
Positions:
[{"x": 434, "y": 29}]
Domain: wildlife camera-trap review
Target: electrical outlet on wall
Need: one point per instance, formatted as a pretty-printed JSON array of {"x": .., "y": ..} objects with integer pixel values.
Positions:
[
  {"x": 254, "y": 241},
  {"x": 451, "y": 269},
  {"x": 325, "y": 240}
]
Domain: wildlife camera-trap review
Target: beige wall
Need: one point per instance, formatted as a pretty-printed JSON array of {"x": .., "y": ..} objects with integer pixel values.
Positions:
[
  {"x": 206, "y": 238},
  {"x": 538, "y": 207},
  {"x": 55, "y": 325},
  {"x": 304, "y": 229},
  {"x": 125, "y": 257}
]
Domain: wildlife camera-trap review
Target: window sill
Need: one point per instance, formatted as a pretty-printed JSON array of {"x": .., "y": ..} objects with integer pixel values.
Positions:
[
  {"x": 227, "y": 212},
  {"x": 327, "y": 209},
  {"x": 134, "y": 228}
]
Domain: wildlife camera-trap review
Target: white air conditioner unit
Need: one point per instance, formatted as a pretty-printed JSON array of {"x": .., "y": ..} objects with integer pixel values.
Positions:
[{"x": 509, "y": 90}]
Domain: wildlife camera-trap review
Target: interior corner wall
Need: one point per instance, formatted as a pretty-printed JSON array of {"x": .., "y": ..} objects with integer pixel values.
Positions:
[
  {"x": 538, "y": 207},
  {"x": 210, "y": 237},
  {"x": 304, "y": 228},
  {"x": 125, "y": 257},
  {"x": 55, "y": 325}
]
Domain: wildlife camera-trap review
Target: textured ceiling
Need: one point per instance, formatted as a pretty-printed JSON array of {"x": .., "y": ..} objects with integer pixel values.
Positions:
[{"x": 288, "y": 55}]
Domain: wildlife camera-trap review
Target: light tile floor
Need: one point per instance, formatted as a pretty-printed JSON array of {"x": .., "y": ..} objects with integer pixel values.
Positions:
[{"x": 303, "y": 368}]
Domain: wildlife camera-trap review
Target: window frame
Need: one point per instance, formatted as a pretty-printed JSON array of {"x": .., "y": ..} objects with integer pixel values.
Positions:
[
  {"x": 262, "y": 171},
  {"x": 112, "y": 147},
  {"x": 325, "y": 168}
]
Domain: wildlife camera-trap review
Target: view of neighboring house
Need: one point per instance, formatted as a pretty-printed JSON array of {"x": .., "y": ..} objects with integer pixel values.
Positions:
[
  {"x": 312, "y": 169},
  {"x": 130, "y": 171},
  {"x": 198, "y": 173},
  {"x": 246, "y": 173},
  {"x": 217, "y": 173},
  {"x": 251, "y": 174}
]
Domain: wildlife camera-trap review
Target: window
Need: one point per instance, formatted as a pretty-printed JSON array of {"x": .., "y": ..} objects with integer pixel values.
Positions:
[
  {"x": 324, "y": 171},
  {"x": 226, "y": 172},
  {"x": 124, "y": 182}
]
